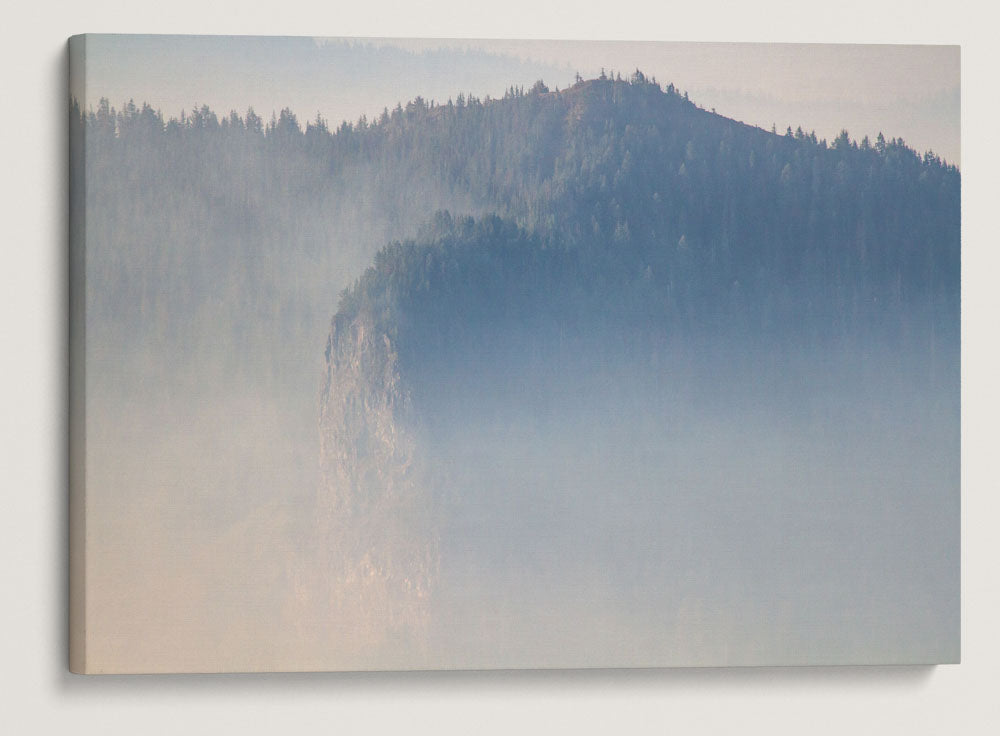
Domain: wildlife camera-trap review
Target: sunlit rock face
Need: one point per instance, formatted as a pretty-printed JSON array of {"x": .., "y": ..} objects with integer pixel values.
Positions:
[{"x": 373, "y": 510}]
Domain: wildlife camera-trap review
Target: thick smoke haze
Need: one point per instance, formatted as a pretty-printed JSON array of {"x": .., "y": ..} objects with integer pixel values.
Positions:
[{"x": 721, "y": 516}]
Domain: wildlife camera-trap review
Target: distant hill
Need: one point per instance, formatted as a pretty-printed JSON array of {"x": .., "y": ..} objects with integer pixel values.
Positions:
[{"x": 617, "y": 200}]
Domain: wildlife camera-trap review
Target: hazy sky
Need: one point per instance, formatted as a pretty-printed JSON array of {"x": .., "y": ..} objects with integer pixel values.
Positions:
[{"x": 904, "y": 91}]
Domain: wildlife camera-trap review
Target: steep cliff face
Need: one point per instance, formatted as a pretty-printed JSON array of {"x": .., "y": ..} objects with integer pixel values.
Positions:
[{"x": 375, "y": 508}]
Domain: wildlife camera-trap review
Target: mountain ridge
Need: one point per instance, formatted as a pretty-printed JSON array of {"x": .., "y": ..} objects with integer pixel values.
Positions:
[{"x": 644, "y": 250}]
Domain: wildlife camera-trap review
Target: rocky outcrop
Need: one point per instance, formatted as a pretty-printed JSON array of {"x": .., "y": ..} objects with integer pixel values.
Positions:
[{"x": 375, "y": 506}]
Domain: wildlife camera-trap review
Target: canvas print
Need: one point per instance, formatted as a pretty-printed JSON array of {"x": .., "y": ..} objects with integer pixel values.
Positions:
[{"x": 421, "y": 354}]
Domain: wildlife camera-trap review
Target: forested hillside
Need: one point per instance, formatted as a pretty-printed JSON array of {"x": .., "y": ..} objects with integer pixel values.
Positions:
[
  {"x": 624, "y": 206},
  {"x": 677, "y": 211}
]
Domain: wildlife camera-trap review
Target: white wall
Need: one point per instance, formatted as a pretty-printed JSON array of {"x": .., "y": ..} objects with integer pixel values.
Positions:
[{"x": 37, "y": 695}]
